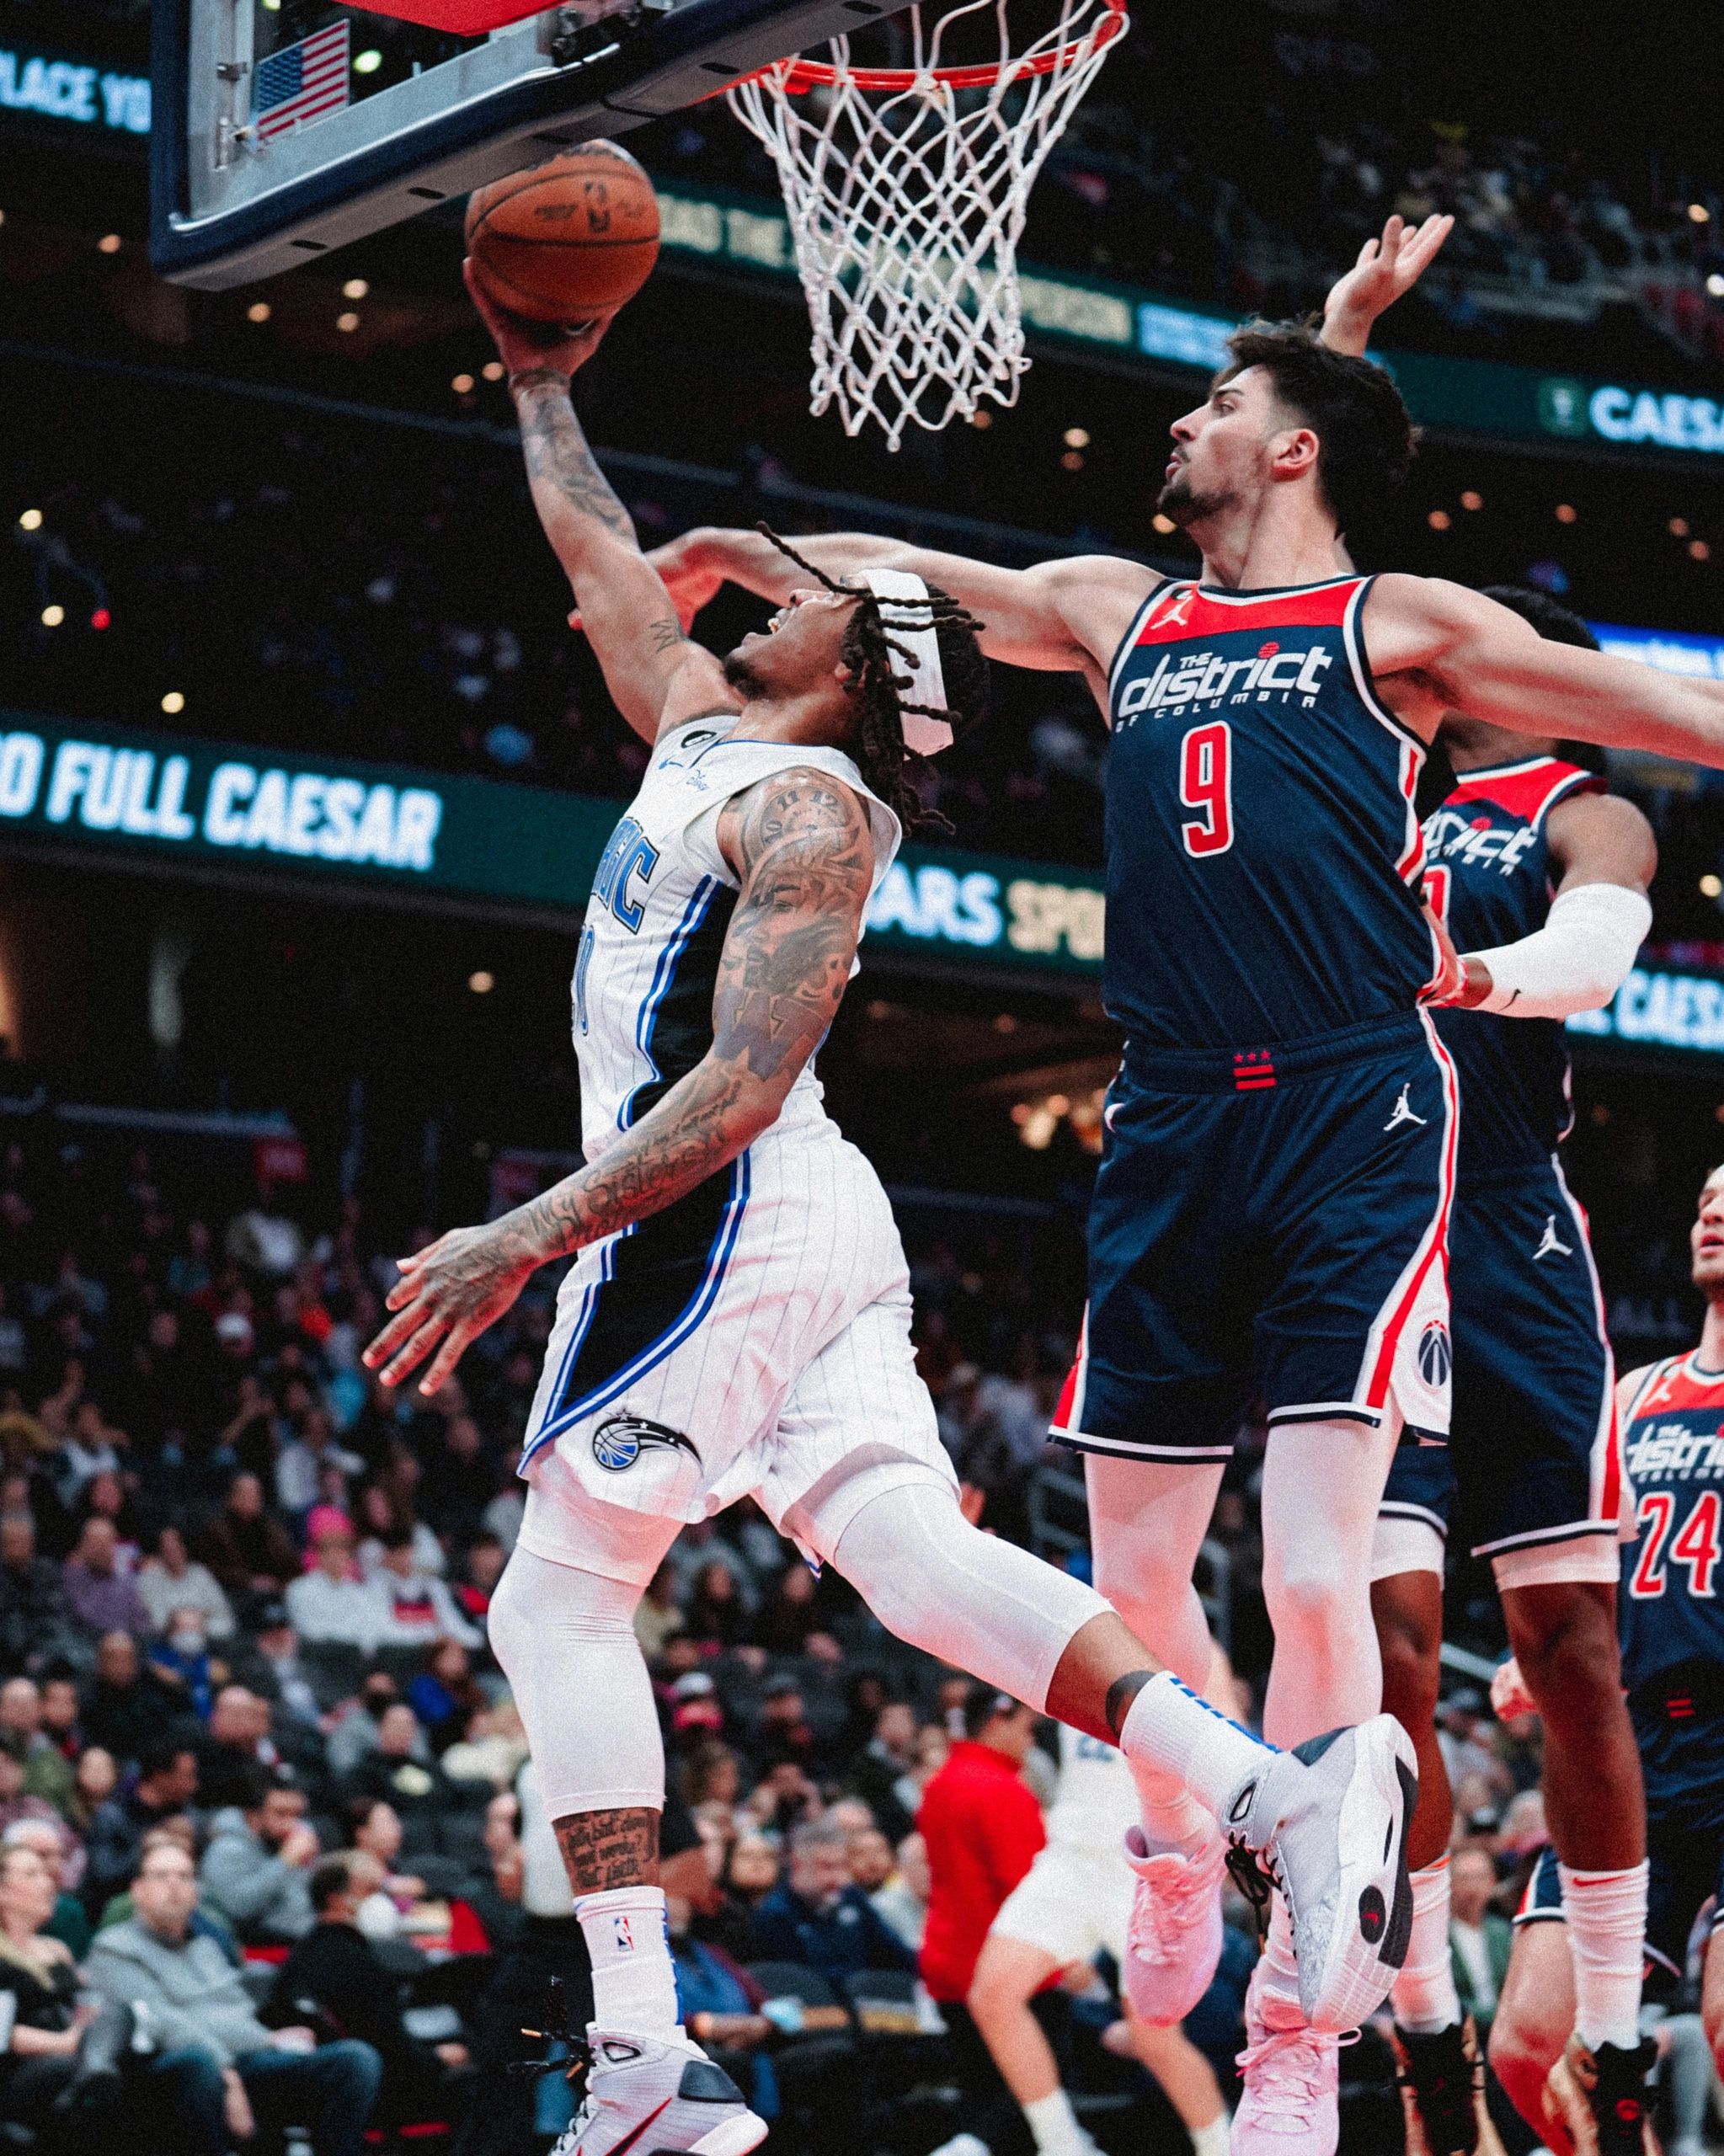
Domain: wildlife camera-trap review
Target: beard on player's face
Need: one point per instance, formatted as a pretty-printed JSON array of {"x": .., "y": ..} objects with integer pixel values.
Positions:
[
  {"x": 742, "y": 675},
  {"x": 1183, "y": 505}
]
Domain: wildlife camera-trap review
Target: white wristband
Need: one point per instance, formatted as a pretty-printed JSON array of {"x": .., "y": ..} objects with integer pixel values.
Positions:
[{"x": 1576, "y": 961}]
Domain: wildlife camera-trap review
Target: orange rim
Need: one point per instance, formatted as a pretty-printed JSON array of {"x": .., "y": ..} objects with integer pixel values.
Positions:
[{"x": 806, "y": 75}]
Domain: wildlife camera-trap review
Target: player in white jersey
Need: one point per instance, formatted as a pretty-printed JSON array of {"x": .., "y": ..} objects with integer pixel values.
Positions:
[
  {"x": 1072, "y": 1904},
  {"x": 737, "y": 1318}
]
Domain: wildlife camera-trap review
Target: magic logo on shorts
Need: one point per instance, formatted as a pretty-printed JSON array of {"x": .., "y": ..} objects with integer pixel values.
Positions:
[
  {"x": 1436, "y": 1354},
  {"x": 621, "y": 1439}
]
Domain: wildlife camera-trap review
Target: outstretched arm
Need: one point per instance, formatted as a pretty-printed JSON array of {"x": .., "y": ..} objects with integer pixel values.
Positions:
[
  {"x": 1436, "y": 646},
  {"x": 1060, "y": 617},
  {"x": 800, "y": 846},
  {"x": 656, "y": 677},
  {"x": 1385, "y": 269}
]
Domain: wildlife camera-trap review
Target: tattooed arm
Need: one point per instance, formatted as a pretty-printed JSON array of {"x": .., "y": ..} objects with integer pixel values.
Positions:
[
  {"x": 656, "y": 676},
  {"x": 800, "y": 846}
]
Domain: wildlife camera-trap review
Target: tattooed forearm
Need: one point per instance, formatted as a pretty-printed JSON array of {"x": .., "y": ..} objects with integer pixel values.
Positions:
[
  {"x": 602, "y": 1850},
  {"x": 560, "y": 467},
  {"x": 806, "y": 858}
]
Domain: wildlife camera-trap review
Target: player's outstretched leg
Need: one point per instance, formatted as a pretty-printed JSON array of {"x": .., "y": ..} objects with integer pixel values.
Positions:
[
  {"x": 565, "y": 1639},
  {"x": 1328, "y": 1819}
]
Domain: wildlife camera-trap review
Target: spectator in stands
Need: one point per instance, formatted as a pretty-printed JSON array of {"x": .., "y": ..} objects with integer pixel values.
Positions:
[
  {"x": 101, "y": 1596},
  {"x": 47, "y": 1772},
  {"x": 901, "y": 1902},
  {"x": 386, "y": 1515},
  {"x": 658, "y": 1615},
  {"x": 221, "y": 2075},
  {"x": 871, "y": 1862},
  {"x": 60, "y": 1712},
  {"x": 890, "y": 1755},
  {"x": 127, "y": 1704},
  {"x": 413, "y": 1607},
  {"x": 35, "y": 1623},
  {"x": 15, "y": 1803},
  {"x": 337, "y": 1968},
  {"x": 94, "y": 1780},
  {"x": 720, "y": 2008},
  {"x": 817, "y": 1916},
  {"x": 247, "y": 1549},
  {"x": 444, "y": 1695},
  {"x": 401, "y": 1772},
  {"x": 235, "y": 1743},
  {"x": 49, "y": 2058},
  {"x": 166, "y": 1788},
  {"x": 257, "y": 1866},
  {"x": 50, "y": 1840},
  {"x": 170, "y": 1580},
  {"x": 274, "y": 1668},
  {"x": 331, "y": 1602},
  {"x": 377, "y": 1834},
  {"x": 1478, "y": 1935},
  {"x": 182, "y": 1660},
  {"x": 981, "y": 1827}
]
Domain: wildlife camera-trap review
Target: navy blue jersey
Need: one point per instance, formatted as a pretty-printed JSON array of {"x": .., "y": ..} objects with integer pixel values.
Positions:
[
  {"x": 1671, "y": 1616},
  {"x": 1264, "y": 857},
  {"x": 1487, "y": 877}
]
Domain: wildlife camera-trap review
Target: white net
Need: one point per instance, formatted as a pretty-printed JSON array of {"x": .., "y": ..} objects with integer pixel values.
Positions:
[{"x": 906, "y": 190}]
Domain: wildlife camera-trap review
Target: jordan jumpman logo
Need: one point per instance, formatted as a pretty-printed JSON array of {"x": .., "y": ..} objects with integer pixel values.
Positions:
[
  {"x": 1552, "y": 1245},
  {"x": 1404, "y": 1112}
]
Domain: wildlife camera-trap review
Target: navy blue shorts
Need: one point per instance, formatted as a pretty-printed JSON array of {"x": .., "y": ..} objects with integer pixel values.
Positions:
[
  {"x": 1268, "y": 1224},
  {"x": 1684, "y": 1870},
  {"x": 1533, "y": 1443}
]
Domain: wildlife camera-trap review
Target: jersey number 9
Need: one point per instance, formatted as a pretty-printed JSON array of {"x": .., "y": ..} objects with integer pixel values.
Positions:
[{"x": 1206, "y": 784}]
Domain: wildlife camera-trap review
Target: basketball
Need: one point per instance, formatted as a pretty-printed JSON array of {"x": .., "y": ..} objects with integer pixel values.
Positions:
[{"x": 569, "y": 239}]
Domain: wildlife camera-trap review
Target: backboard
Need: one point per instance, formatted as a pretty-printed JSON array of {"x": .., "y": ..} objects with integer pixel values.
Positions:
[{"x": 283, "y": 129}]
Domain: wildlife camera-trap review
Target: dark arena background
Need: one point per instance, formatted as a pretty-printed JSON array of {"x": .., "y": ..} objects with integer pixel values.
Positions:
[{"x": 269, "y": 546}]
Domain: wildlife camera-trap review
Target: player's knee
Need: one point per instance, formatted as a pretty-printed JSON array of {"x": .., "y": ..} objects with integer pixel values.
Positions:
[
  {"x": 1412, "y": 1674},
  {"x": 1309, "y": 1603},
  {"x": 994, "y": 1988},
  {"x": 1564, "y": 1638}
]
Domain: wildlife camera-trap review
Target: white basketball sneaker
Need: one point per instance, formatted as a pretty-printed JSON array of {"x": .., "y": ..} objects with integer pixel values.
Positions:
[
  {"x": 658, "y": 2096},
  {"x": 1329, "y": 1819},
  {"x": 1290, "y": 2103},
  {"x": 1173, "y": 1939}
]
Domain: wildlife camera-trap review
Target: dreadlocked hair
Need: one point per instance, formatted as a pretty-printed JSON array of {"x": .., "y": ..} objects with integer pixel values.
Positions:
[{"x": 885, "y": 760}]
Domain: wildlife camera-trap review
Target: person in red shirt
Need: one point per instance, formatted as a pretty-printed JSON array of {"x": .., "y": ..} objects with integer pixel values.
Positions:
[{"x": 983, "y": 1826}]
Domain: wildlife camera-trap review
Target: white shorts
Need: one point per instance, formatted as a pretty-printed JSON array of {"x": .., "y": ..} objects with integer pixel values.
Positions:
[
  {"x": 751, "y": 1340},
  {"x": 1073, "y": 1903}
]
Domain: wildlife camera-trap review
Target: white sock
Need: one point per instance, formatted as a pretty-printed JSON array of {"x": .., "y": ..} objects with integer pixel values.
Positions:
[
  {"x": 634, "y": 1985},
  {"x": 1424, "y": 1996},
  {"x": 1214, "y": 2139},
  {"x": 1054, "y": 2124},
  {"x": 1171, "y": 1729},
  {"x": 1607, "y": 1929}
]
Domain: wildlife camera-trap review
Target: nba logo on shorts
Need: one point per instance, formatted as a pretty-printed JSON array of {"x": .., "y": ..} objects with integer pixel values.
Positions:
[
  {"x": 622, "y": 1937},
  {"x": 1436, "y": 1356}
]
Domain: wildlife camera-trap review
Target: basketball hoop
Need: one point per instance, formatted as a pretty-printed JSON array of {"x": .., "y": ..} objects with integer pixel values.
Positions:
[{"x": 905, "y": 188}]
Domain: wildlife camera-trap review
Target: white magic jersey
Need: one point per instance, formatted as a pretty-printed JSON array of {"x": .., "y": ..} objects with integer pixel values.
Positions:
[
  {"x": 662, "y": 901},
  {"x": 1097, "y": 1799},
  {"x": 754, "y": 1338},
  {"x": 1075, "y": 1901}
]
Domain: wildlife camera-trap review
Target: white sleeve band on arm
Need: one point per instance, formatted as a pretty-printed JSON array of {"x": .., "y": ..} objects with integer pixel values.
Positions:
[{"x": 1576, "y": 961}]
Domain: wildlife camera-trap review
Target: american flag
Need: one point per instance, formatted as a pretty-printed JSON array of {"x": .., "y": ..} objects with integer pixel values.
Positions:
[{"x": 306, "y": 82}]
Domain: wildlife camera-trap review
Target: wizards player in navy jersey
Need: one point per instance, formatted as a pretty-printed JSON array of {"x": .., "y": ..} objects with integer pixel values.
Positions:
[
  {"x": 1527, "y": 845},
  {"x": 1673, "y": 1665},
  {"x": 1271, "y": 1211}
]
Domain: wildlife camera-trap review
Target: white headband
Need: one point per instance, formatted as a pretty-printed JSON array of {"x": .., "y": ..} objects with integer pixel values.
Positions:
[{"x": 907, "y": 618}]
